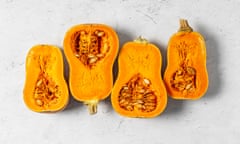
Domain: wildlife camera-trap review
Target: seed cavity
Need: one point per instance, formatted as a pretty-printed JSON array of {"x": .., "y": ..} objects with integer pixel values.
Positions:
[
  {"x": 90, "y": 47},
  {"x": 184, "y": 78},
  {"x": 46, "y": 91},
  {"x": 137, "y": 94}
]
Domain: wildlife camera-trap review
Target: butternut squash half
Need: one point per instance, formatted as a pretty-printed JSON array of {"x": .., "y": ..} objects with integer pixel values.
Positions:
[
  {"x": 45, "y": 89},
  {"x": 139, "y": 90},
  {"x": 91, "y": 50},
  {"x": 186, "y": 74}
]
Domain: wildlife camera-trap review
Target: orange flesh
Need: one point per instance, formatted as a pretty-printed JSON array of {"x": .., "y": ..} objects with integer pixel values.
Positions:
[
  {"x": 45, "y": 89},
  {"x": 91, "y": 50},
  {"x": 186, "y": 73}
]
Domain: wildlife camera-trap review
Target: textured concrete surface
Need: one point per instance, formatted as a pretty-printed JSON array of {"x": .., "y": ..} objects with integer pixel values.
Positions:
[{"x": 213, "y": 119}]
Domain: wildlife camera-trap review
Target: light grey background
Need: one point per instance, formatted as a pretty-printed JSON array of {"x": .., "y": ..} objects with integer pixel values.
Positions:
[{"x": 213, "y": 119}]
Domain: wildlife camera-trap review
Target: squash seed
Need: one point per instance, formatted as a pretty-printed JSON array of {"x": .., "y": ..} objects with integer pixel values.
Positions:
[
  {"x": 92, "y": 60},
  {"x": 91, "y": 56},
  {"x": 100, "y": 34},
  {"x": 39, "y": 102}
]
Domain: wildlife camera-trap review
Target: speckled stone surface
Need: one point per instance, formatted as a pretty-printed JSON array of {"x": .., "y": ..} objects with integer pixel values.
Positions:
[{"x": 214, "y": 119}]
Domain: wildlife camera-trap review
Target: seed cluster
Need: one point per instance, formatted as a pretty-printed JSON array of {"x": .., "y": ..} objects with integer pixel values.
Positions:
[
  {"x": 90, "y": 47},
  {"x": 137, "y": 94},
  {"x": 46, "y": 91},
  {"x": 184, "y": 79}
]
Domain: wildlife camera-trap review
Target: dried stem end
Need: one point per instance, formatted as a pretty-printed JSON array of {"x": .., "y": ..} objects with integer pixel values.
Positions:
[
  {"x": 184, "y": 26},
  {"x": 92, "y": 106},
  {"x": 140, "y": 39}
]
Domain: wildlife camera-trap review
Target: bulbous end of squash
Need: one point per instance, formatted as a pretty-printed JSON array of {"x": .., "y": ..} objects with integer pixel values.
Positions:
[
  {"x": 186, "y": 74},
  {"x": 45, "y": 89},
  {"x": 139, "y": 90},
  {"x": 91, "y": 50}
]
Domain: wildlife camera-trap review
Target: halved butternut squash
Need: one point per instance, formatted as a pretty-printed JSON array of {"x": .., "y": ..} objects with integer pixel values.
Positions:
[
  {"x": 45, "y": 88},
  {"x": 186, "y": 74},
  {"x": 139, "y": 90},
  {"x": 91, "y": 50}
]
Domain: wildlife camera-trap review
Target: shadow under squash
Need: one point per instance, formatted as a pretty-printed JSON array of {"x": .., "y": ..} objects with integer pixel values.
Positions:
[
  {"x": 124, "y": 37},
  {"x": 213, "y": 61},
  {"x": 213, "y": 66},
  {"x": 174, "y": 107},
  {"x": 72, "y": 103}
]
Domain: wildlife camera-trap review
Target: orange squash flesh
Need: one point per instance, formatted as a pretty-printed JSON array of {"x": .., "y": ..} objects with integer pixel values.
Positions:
[
  {"x": 91, "y": 50},
  {"x": 139, "y": 90},
  {"x": 45, "y": 89},
  {"x": 186, "y": 74}
]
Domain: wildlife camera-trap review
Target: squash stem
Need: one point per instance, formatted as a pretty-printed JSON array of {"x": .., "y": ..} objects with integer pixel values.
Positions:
[
  {"x": 92, "y": 106},
  {"x": 140, "y": 39},
  {"x": 184, "y": 26}
]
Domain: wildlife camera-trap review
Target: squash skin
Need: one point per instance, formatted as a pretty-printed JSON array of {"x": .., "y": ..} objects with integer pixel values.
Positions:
[
  {"x": 144, "y": 58},
  {"x": 91, "y": 85},
  {"x": 196, "y": 53},
  {"x": 55, "y": 72}
]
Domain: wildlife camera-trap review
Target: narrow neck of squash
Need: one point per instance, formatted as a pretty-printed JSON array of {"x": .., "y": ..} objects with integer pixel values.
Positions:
[{"x": 184, "y": 26}]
